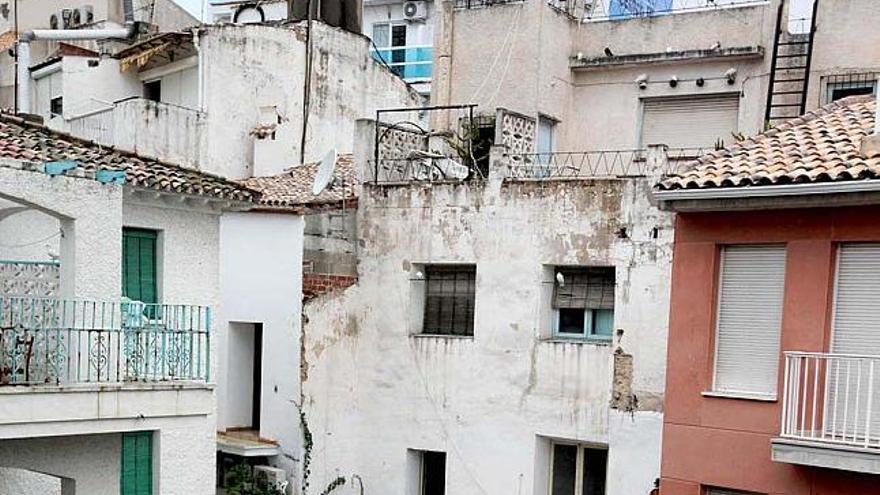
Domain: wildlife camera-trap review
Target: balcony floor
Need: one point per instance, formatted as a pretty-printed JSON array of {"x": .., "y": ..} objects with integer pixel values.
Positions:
[{"x": 826, "y": 455}]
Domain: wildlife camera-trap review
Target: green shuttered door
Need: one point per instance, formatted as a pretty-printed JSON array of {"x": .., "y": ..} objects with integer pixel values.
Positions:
[
  {"x": 137, "y": 463},
  {"x": 139, "y": 265}
]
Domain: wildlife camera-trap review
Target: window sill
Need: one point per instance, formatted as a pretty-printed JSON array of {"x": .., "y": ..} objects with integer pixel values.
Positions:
[
  {"x": 740, "y": 396},
  {"x": 440, "y": 336},
  {"x": 575, "y": 340}
]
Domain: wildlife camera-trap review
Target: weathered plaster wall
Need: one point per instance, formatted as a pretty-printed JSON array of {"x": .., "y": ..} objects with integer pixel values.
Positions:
[
  {"x": 250, "y": 68},
  {"x": 373, "y": 390},
  {"x": 261, "y": 282}
]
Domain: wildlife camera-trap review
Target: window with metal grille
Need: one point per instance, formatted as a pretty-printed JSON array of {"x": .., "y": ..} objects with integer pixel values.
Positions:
[
  {"x": 577, "y": 470},
  {"x": 56, "y": 105},
  {"x": 583, "y": 302},
  {"x": 842, "y": 85},
  {"x": 449, "y": 300}
]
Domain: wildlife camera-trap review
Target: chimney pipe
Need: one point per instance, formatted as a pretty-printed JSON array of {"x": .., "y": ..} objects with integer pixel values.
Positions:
[{"x": 24, "y": 47}]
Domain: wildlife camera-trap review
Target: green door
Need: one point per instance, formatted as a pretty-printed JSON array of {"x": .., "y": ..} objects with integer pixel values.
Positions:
[
  {"x": 137, "y": 463},
  {"x": 139, "y": 265}
]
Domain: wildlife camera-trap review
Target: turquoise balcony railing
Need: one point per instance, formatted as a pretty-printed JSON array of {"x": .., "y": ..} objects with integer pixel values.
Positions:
[
  {"x": 412, "y": 63},
  {"x": 58, "y": 341}
]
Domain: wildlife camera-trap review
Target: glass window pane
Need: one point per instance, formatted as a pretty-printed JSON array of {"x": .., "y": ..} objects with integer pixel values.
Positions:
[
  {"x": 603, "y": 322},
  {"x": 564, "y": 469},
  {"x": 571, "y": 321},
  {"x": 595, "y": 462},
  {"x": 381, "y": 35}
]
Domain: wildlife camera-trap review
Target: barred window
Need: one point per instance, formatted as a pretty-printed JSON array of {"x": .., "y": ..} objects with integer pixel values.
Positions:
[
  {"x": 449, "y": 300},
  {"x": 583, "y": 302}
]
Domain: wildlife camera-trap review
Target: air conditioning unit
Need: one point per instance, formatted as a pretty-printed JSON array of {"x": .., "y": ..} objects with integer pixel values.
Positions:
[
  {"x": 86, "y": 14},
  {"x": 63, "y": 19},
  {"x": 415, "y": 11},
  {"x": 275, "y": 476}
]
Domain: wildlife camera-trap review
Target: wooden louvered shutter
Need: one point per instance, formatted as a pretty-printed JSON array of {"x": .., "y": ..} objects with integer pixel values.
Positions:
[
  {"x": 749, "y": 318},
  {"x": 692, "y": 122},
  {"x": 137, "y": 463},
  {"x": 139, "y": 265}
]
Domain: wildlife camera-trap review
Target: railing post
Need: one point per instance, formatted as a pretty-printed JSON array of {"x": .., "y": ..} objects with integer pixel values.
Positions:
[{"x": 870, "y": 409}]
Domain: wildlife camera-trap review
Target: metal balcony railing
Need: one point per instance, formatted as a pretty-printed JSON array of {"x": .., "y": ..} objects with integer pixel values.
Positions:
[
  {"x": 412, "y": 63},
  {"x": 603, "y": 10},
  {"x": 58, "y": 341},
  {"x": 592, "y": 164},
  {"x": 832, "y": 398}
]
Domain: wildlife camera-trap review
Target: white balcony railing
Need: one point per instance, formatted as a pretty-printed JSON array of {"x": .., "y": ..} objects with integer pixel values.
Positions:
[{"x": 833, "y": 399}]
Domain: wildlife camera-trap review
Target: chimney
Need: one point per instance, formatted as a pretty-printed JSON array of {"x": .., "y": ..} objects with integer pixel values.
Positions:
[{"x": 871, "y": 142}]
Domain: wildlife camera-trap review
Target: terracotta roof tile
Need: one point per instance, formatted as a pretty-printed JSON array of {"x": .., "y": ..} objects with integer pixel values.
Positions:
[
  {"x": 20, "y": 140},
  {"x": 293, "y": 187},
  {"x": 821, "y": 146}
]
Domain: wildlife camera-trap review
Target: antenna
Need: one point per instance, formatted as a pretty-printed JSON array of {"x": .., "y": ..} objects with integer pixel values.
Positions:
[{"x": 324, "y": 177}]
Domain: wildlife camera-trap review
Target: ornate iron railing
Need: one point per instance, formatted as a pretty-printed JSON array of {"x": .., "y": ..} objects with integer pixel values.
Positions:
[
  {"x": 592, "y": 164},
  {"x": 603, "y": 10},
  {"x": 58, "y": 341}
]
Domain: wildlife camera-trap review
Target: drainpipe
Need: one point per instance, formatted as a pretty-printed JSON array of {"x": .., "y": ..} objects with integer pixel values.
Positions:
[{"x": 24, "y": 47}]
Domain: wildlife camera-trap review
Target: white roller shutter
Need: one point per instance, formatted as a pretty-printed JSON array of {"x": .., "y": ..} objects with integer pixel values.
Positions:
[
  {"x": 692, "y": 122},
  {"x": 856, "y": 330},
  {"x": 749, "y": 319}
]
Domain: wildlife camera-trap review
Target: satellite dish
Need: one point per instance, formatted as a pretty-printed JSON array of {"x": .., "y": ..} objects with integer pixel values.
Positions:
[{"x": 325, "y": 173}]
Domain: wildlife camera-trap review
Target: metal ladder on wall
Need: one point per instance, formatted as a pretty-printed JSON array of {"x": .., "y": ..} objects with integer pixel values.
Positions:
[{"x": 789, "y": 71}]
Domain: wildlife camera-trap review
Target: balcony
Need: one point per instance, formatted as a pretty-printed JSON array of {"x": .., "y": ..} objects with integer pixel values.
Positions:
[
  {"x": 830, "y": 415},
  {"x": 50, "y": 341},
  {"x": 412, "y": 63}
]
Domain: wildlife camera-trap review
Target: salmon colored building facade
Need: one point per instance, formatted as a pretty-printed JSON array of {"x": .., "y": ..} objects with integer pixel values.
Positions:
[{"x": 771, "y": 383}]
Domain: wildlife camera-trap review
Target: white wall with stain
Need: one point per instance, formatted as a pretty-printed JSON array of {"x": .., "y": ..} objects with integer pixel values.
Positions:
[{"x": 374, "y": 390}]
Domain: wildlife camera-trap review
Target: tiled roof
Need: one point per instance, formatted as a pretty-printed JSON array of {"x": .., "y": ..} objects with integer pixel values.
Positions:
[
  {"x": 293, "y": 187},
  {"x": 821, "y": 146},
  {"x": 20, "y": 140}
]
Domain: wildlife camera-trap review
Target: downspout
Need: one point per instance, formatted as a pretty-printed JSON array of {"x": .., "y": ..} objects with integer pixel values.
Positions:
[{"x": 24, "y": 47}]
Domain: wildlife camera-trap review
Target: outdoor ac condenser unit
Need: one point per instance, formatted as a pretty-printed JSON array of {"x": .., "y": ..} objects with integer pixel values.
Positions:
[
  {"x": 276, "y": 476},
  {"x": 415, "y": 11}
]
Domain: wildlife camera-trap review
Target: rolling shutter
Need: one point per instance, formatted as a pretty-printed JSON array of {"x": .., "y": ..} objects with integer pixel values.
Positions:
[
  {"x": 856, "y": 314},
  {"x": 749, "y": 318},
  {"x": 693, "y": 122}
]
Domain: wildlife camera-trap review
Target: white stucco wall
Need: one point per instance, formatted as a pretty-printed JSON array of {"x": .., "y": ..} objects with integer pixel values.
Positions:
[
  {"x": 15, "y": 481},
  {"x": 27, "y": 235},
  {"x": 250, "y": 68},
  {"x": 261, "y": 282},
  {"x": 373, "y": 390}
]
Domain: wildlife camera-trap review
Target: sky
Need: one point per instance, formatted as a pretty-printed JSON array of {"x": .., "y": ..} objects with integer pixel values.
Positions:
[{"x": 194, "y": 7}]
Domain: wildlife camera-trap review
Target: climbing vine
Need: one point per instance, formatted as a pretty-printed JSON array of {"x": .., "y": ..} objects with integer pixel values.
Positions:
[{"x": 308, "y": 445}]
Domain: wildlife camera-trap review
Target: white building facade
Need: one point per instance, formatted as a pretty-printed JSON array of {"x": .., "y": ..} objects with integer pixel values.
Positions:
[{"x": 109, "y": 354}]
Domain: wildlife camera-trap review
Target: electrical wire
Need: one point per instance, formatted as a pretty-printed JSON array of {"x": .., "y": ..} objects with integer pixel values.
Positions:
[{"x": 32, "y": 243}]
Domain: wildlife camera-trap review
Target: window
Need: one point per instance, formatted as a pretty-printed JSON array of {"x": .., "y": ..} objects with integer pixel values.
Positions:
[
  {"x": 748, "y": 321},
  {"x": 137, "y": 463},
  {"x": 432, "y": 473},
  {"x": 843, "y": 85},
  {"x": 449, "y": 300},
  {"x": 724, "y": 491},
  {"x": 583, "y": 303},
  {"x": 690, "y": 122},
  {"x": 577, "y": 470},
  {"x": 139, "y": 265},
  {"x": 153, "y": 90},
  {"x": 390, "y": 40},
  {"x": 56, "y": 106},
  {"x": 546, "y": 128}
]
